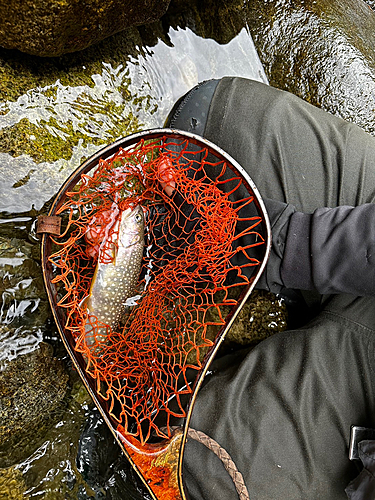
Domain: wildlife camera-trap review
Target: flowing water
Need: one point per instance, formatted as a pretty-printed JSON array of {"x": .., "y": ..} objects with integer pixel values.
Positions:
[{"x": 53, "y": 115}]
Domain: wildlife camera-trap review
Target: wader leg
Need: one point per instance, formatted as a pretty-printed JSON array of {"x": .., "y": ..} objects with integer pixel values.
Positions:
[
  {"x": 293, "y": 151},
  {"x": 284, "y": 410}
]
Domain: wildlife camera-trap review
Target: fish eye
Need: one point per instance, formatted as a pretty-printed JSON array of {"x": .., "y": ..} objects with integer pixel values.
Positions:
[{"x": 138, "y": 218}]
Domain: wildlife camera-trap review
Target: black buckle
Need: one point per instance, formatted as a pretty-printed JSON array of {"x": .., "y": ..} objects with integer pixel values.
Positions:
[{"x": 358, "y": 434}]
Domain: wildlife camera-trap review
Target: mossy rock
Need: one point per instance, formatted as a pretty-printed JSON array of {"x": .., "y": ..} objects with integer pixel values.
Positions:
[
  {"x": 55, "y": 27},
  {"x": 12, "y": 486},
  {"x": 262, "y": 315}
]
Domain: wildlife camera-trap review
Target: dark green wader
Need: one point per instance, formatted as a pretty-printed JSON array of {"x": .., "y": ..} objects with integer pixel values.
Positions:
[{"x": 284, "y": 410}]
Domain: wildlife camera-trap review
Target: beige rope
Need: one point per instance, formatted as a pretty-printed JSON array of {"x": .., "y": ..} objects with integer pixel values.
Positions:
[{"x": 224, "y": 456}]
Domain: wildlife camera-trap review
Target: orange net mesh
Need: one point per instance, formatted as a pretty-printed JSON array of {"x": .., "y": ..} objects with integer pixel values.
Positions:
[{"x": 198, "y": 245}]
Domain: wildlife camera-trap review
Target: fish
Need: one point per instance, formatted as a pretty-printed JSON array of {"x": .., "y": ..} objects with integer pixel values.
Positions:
[{"x": 116, "y": 275}]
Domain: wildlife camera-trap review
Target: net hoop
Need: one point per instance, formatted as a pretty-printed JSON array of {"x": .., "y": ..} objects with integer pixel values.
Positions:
[{"x": 177, "y": 439}]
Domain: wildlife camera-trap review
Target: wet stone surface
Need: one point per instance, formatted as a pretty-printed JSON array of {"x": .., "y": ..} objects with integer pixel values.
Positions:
[
  {"x": 263, "y": 315},
  {"x": 12, "y": 486},
  {"x": 102, "y": 464},
  {"x": 32, "y": 389},
  {"x": 320, "y": 50},
  {"x": 48, "y": 28},
  {"x": 24, "y": 307}
]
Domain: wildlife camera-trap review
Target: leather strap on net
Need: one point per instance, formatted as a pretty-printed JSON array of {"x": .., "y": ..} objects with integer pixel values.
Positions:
[{"x": 49, "y": 224}]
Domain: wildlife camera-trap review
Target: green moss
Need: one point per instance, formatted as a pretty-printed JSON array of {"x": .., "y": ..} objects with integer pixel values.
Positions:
[
  {"x": 262, "y": 315},
  {"x": 12, "y": 485},
  {"x": 41, "y": 144},
  {"x": 49, "y": 122},
  {"x": 20, "y": 73}
]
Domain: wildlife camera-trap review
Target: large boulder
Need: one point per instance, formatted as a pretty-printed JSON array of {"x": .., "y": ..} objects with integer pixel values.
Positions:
[
  {"x": 32, "y": 389},
  {"x": 54, "y": 27},
  {"x": 320, "y": 50}
]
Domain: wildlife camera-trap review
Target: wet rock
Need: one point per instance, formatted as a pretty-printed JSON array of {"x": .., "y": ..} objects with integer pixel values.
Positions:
[
  {"x": 25, "y": 308},
  {"x": 103, "y": 465},
  {"x": 51, "y": 28},
  {"x": 320, "y": 50},
  {"x": 32, "y": 389},
  {"x": 262, "y": 315},
  {"x": 50, "y": 471},
  {"x": 221, "y": 20},
  {"x": 56, "y": 112}
]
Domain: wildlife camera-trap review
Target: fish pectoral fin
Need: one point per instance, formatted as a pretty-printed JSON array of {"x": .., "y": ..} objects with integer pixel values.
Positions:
[
  {"x": 132, "y": 301},
  {"x": 114, "y": 252},
  {"x": 84, "y": 304}
]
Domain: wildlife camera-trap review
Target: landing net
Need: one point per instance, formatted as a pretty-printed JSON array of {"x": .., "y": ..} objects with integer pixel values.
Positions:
[{"x": 203, "y": 243}]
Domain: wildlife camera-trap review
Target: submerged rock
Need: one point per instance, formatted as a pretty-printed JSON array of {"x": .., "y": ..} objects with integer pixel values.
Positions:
[
  {"x": 262, "y": 315},
  {"x": 32, "y": 389},
  {"x": 51, "y": 28},
  {"x": 25, "y": 308},
  {"x": 320, "y": 50},
  {"x": 103, "y": 465}
]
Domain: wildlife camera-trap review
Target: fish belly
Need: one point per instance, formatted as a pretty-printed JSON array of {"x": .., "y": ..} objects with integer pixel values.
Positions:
[{"x": 114, "y": 284}]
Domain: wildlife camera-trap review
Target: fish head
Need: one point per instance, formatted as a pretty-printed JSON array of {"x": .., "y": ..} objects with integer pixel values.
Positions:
[{"x": 132, "y": 226}]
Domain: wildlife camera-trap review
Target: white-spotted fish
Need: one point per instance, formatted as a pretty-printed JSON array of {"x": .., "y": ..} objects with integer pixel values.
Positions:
[{"x": 115, "y": 282}]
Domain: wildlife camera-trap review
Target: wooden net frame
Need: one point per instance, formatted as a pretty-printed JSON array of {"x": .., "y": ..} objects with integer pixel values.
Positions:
[{"x": 206, "y": 241}]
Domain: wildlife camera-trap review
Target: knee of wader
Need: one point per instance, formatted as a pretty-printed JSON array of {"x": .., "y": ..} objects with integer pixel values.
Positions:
[{"x": 190, "y": 112}]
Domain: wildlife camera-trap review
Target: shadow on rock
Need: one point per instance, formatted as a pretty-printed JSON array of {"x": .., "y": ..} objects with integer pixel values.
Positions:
[{"x": 50, "y": 28}]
